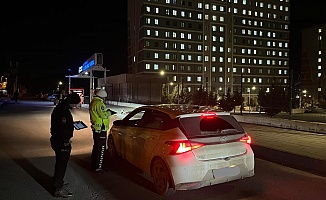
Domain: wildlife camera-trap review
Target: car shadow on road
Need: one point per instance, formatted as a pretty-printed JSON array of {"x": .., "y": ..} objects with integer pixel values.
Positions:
[{"x": 118, "y": 166}]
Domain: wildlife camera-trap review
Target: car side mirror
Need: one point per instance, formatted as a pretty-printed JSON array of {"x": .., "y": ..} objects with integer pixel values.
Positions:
[{"x": 117, "y": 122}]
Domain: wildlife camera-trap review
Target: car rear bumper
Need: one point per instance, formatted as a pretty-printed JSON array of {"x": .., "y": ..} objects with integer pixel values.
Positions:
[{"x": 207, "y": 173}]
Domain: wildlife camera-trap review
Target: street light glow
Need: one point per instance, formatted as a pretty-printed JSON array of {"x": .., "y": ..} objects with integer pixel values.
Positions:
[{"x": 162, "y": 72}]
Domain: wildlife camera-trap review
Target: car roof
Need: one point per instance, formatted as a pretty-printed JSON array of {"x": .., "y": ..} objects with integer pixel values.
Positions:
[{"x": 175, "y": 110}]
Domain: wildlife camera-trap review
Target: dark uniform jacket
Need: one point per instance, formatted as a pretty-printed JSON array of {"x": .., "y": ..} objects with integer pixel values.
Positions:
[{"x": 62, "y": 127}]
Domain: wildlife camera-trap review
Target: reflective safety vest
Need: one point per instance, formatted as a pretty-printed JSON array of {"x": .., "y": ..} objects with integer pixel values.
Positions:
[{"x": 99, "y": 116}]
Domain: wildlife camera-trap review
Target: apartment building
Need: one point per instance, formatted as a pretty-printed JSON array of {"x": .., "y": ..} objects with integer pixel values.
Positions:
[
  {"x": 313, "y": 79},
  {"x": 211, "y": 44}
]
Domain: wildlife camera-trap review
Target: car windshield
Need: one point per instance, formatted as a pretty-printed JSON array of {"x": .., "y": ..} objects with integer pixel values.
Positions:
[{"x": 219, "y": 125}]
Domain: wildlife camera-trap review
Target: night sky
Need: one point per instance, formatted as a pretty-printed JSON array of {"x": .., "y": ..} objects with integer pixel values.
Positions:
[{"x": 49, "y": 37}]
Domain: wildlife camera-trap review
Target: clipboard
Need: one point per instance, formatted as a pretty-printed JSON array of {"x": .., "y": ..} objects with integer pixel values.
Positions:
[{"x": 79, "y": 125}]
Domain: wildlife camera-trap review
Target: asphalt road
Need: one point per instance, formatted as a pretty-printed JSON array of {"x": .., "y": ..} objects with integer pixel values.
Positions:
[{"x": 27, "y": 163}]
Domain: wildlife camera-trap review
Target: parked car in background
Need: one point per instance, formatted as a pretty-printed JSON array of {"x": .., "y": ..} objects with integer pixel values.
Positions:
[
  {"x": 183, "y": 147},
  {"x": 52, "y": 97}
]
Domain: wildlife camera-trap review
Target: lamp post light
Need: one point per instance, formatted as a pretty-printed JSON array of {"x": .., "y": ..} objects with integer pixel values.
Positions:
[{"x": 59, "y": 84}]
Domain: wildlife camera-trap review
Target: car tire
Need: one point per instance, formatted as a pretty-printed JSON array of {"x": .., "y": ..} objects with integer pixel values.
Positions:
[
  {"x": 111, "y": 150},
  {"x": 161, "y": 178}
]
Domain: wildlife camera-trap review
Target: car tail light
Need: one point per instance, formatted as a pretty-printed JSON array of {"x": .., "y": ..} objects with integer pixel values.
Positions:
[
  {"x": 246, "y": 139},
  {"x": 179, "y": 147},
  {"x": 208, "y": 115}
]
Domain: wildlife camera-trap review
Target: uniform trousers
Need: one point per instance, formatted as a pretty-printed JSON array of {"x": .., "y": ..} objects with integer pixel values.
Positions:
[
  {"x": 62, "y": 155},
  {"x": 98, "y": 150}
]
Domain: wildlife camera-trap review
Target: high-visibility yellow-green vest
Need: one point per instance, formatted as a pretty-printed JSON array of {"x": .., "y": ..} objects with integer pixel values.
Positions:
[{"x": 99, "y": 116}]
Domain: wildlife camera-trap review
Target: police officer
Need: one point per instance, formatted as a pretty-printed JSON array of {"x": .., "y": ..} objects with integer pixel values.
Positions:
[
  {"x": 61, "y": 133},
  {"x": 100, "y": 118}
]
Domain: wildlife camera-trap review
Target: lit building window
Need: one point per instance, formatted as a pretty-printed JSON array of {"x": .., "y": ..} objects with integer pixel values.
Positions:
[
  {"x": 155, "y": 66},
  {"x": 148, "y": 66}
]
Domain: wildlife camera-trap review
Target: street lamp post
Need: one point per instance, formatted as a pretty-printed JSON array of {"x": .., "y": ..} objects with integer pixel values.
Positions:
[
  {"x": 305, "y": 95},
  {"x": 249, "y": 89},
  {"x": 162, "y": 74}
]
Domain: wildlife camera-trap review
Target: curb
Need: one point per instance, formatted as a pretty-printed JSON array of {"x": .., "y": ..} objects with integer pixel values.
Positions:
[{"x": 295, "y": 161}]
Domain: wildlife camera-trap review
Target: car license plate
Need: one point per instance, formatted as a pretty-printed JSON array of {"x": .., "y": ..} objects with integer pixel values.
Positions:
[{"x": 226, "y": 172}]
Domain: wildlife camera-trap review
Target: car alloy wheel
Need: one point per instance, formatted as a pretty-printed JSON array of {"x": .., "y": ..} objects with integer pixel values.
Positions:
[{"x": 161, "y": 178}]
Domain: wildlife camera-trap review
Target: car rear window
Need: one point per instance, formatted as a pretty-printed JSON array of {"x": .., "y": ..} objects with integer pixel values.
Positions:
[{"x": 210, "y": 126}]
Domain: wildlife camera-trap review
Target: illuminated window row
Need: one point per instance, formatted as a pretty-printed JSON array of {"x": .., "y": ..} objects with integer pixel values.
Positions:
[
  {"x": 249, "y": 51},
  {"x": 254, "y": 61}
]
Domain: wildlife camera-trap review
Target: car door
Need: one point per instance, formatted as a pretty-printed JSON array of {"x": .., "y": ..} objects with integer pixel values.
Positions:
[
  {"x": 126, "y": 134},
  {"x": 147, "y": 137}
]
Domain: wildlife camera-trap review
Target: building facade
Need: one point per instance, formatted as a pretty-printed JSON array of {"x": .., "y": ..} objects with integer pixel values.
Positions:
[
  {"x": 313, "y": 70},
  {"x": 217, "y": 45}
]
